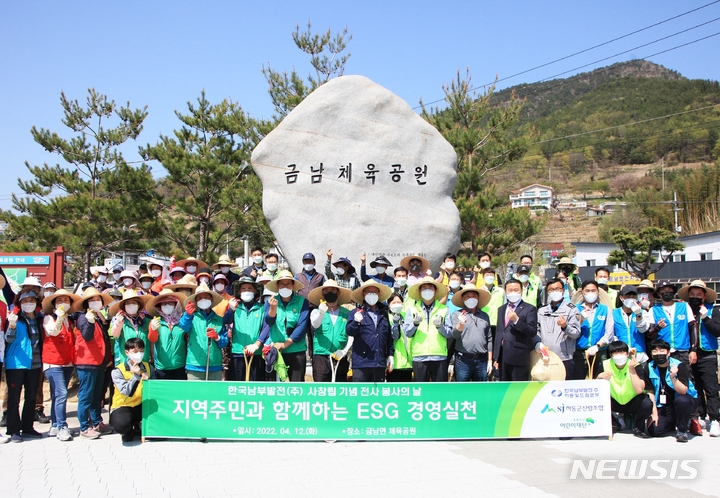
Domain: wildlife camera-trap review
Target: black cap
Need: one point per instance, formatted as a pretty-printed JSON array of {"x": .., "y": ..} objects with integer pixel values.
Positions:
[
  {"x": 628, "y": 289},
  {"x": 524, "y": 268}
]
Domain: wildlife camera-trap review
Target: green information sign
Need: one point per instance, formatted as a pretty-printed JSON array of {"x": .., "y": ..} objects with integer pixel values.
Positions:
[{"x": 352, "y": 411}]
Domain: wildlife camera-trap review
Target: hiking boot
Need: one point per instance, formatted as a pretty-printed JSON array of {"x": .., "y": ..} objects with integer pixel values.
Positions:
[
  {"x": 714, "y": 429},
  {"x": 89, "y": 434},
  {"x": 637, "y": 432},
  {"x": 3, "y": 420},
  {"x": 40, "y": 416},
  {"x": 53, "y": 431},
  {"x": 695, "y": 427},
  {"x": 32, "y": 434},
  {"x": 103, "y": 429},
  {"x": 64, "y": 434},
  {"x": 681, "y": 437}
]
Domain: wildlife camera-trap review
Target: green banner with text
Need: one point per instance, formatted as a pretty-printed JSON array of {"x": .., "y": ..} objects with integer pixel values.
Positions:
[{"x": 352, "y": 411}]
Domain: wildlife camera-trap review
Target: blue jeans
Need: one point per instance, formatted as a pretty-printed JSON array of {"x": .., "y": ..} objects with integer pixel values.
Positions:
[
  {"x": 90, "y": 395},
  {"x": 469, "y": 369},
  {"x": 59, "y": 379}
]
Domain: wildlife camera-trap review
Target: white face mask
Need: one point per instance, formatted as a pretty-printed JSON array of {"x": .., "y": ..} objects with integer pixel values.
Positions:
[
  {"x": 205, "y": 280},
  {"x": 630, "y": 302},
  {"x": 145, "y": 284},
  {"x": 101, "y": 279},
  {"x": 116, "y": 276},
  {"x": 471, "y": 302},
  {"x": 247, "y": 296},
  {"x": 401, "y": 282},
  {"x": 450, "y": 265},
  {"x": 523, "y": 278},
  {"x": 602, "y": 281},
  {"x": 380, "y": 270},
  {"x": 454, "y": 284},
  {"x": 485, "y": 264},
  {"x": 128, "y": 282},
  {"x": 225, "y": 269},
  {"x": 131, "y": 309},
  {"x": 95, "y": 305},
  {"x": 309, "y": 267},
  {"x": 28, "y": 307},
  {"x": 167, "y": 308},
  {"x": 191, "y": 268},
  {"x": 371, "y": 298},
  {"x": 48, "y": 293},
  {"x": 591, "y": 297},
  {"x": 219, "y": 287},
  {"x": 272, "y": 266},
  {"x": 620, "y": 360},
  {"x": 428, "y": 294},
  {"x": 136, "y": 357},
  {"x": 490, "y": 280},
  {"x": 156, "y": 273},
  {"x": 204, "y": 304},
  {"x": 64, "y": 306},
  {"x": 340, "y": 272},
  {"x": 257, "y": 260},
  {"x": 396, "y": 308},
  {"x": 285, "y": 292},
  {"x": 513, "y": 297},
  {"x": 555, "y": 296}
]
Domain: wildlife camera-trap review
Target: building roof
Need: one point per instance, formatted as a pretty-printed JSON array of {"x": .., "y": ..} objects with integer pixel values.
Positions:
[{"x": 523, "y": 189}]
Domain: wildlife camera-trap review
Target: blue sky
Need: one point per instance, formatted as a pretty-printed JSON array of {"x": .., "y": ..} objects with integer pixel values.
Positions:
[{"x": 162, "y": 54}]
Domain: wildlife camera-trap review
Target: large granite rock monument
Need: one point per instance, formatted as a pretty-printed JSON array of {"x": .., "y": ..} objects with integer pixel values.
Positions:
[{"x": 354, "y": 169}]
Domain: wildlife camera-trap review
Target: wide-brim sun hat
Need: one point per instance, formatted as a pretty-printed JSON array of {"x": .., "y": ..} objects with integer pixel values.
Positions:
[
  {"x": 380, "y": 260},
  {"x": 384, "y": 292},
  {"x": 603, "y": 298},
  {"x": 32, "y": 282},
  {"x": 424, "y": 263},
  {"x": 48, "y": 304},
  {"x": 235, "y": 286},
  {"x": 166, "y": 293},
  {"x": 710, "y": 294},
  {"x": 272, "y": 285},
  {"x": 224, "y": 261},
  {"x": 204, "y": 289},
  {"x": 440, "y": 289},
  {"x": 347, "y": 262},
  {"x": 646, "y": 284},
  {"x": 89, "y": 293},
  {"x": 184, "y": 262},
  {"x": 187, "y": 282},
  {"x": 483, "y": 298},
  {"x": 566, "y": 262},
  {"x": 316, "y": 295},
  {"x": 127, "y": 296},
  {"x": 545, "y": 371}
]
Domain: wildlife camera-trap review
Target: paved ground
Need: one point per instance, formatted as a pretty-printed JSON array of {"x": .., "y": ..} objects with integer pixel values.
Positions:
[{"x": 527, "y": 468}]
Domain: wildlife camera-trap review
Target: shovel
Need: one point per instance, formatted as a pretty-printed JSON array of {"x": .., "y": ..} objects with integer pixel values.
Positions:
[
  {"x": 591, "y": 366},
  {"x": 334, "y": 367},
  {"x": 248, "y": 363},
  {"x": 207, "y": 360}
]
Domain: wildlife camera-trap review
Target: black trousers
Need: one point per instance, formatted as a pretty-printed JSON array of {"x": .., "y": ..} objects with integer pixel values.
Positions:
[
  {"x": 124, "y": 418},
  {"x": 17, "y": 380},
  {"x": 296, "y": 366},
  {"x": 369, "y": 374},
  {"x": 705, "y": 372},
  {"x": 640, "y": 406},
  {"x": 403, "y": 375},
  {"x": 426, "y": 370},
  {"x": 257, "y": 369},
  {"x": 677, "y": 415},
  {"x": 514, "y": 372},
  {"x": 175, "y": 374},
  {"x": 322, "y": 371}
]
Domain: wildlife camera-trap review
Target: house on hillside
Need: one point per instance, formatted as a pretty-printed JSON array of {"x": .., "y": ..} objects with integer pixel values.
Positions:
[
  {"x": 594, "y": 211},
  {"x": 534, "y": 196}
]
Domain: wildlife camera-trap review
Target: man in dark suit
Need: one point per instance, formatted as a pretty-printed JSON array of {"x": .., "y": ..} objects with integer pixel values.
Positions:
[{"x": 516, "y": 328}]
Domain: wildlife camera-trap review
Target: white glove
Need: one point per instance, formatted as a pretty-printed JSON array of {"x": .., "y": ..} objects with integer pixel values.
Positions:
[
  {"x": 251, "y": 348},
  {"x": 90, "y": 316},
  {"x": 358, "y": 316},
  {"x": 389, "y": 363},
  {"x": 451, "y": 370},
  {"x": 462, "y": 318},
  {"x": 233, "y": 303},
  {"x": 12, "y": 320},
  {"x": 437, "y": 320},
  {"x": 416, "y": 318},
  {"x": 489, "y": 367},
  {"x": 645, "y": 304},
  {"x": 339, "y": 354},
  {"x": 322, "y": 309},
  {"x": 60, "y": 314},
  {"x": 586, "y": 314},
  {"x": 703, "y": 312},
  {"x": 155, "y": 323},
  {"x": 397, "y": 318},
  {"x": 592, "y": 350},
  {"x": 637, "y": 310}
]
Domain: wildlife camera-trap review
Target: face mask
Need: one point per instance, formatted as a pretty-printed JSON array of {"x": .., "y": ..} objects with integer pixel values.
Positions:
[
  {"x": 167, "y": 309},
  {"x": 309, "y": 267},
  {"x": 484, "y": 264},
  {"x": 257, "y": 260},
  {"x": 620, "y": 360},
  {"x": 225, "y": 269},
  {"x": 204, "y": 304},
  {"x": 156, "y": 273},
  {"x": 272, "y": 266},
  {"x": 471, "y": 302},
  {"x": 330, "y": 297},
  {"x": 101, "y": 279},
  {"x": 371, "y": 298},
  {"x": 131, "y": 309},
  {"x": 591, "y": 297},
  {"x": 48, "y": 293},
  {"x": 396, "y": 308},
  {"x": 116, "y": 276},
  {"x": 513, "y": 297},
  {"x": 667, "y": 296},
  {"x": 415, "y": 268},
  {"x": 630, "y": 302},
  {"x": 428, "y": 294},
  {"x": 489, "y": 280},
  {"x": 145, "y": 284},
  {"x": 191, "y": 268},
  {"x": 219, "y": 287},
  {"x": 555, "y": 296},
  {"x": 95, "y": 305},
  {"x": 695, "y": 302},
  {"x": 380, "y": 270},
  {"x": 523, "y": 278},
  {"x": 659, "y": 359},
  {"x": 401, "y": 282},
  {"x": 247, "y": 296},
  {"x": 602, "y": 281},
  {"x": 285, "y": 292},
  {"x": 644, "y": 297},
  {"x": 28, "y": 307},
  {"x": 340, "y": 272},
  {"x": 136, "y": 357},
  {"x": 64, "y": 306},
  {"x": 449, "y": 266},
  {"x": 205, "y": 280},
  {"x": 128, "y": 282},
  {"x": 454, "y": 284}
]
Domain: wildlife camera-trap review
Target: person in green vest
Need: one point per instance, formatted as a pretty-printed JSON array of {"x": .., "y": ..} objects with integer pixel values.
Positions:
[
  {"x": 402, "y": 359},
  {"x": 330, "y": 340},
  {"x": 286, "y": 323},
  {"x": 129, "y": 320},
  {"x": 497, "y": 297},
  {"x": 627, "y": 386},
  {"x": 425, "y": 324},
  {"x": 165, "y": 335},
  {"x": 207, "y": 336},
  {"x": 530, "y": 292},
  {"x": 602, "y": 277},
  {"x": 244, "y": 318}
]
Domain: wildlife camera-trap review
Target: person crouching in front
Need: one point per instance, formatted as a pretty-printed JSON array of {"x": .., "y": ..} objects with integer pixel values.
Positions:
[{"x": 128, "y": 378}]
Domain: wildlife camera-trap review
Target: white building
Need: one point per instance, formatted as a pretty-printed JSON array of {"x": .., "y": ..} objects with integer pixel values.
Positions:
[{"x": 534, "y": 196}]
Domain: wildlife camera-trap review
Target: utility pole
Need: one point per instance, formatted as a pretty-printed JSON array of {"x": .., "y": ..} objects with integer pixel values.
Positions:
[
  {"x": 662, "y": 166},
  {"x": 676, "y": 209}
]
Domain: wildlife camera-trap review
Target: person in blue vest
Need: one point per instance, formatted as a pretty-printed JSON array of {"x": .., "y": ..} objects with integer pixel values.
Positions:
[
  {"x": 629, "y": 322},
  {"x": 675, "y": 324},
  {"x": 673, "y": 392},
  {"x": 701, "y": 299},
  {"x": 596, "y": 331}
]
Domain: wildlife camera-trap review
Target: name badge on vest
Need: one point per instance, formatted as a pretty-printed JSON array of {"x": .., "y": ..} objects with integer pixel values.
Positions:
[
  {"x": 602, "y": 318},
  {"x": 663, "y": 399},
  {"x": 681, "y": 317}
]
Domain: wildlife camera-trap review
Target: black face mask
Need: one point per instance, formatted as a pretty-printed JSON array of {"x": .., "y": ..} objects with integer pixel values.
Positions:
[
  {"x": 695, "y": 302},
  {"x": 667, "y": 296},
  {"x": 330, "y": 297},
  {"x": 415, "y": 268},
  {"x": 659, "y": 359}
]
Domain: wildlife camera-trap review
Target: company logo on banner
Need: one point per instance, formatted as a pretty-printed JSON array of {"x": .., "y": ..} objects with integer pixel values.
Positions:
[{"x": 322, "y": 411}]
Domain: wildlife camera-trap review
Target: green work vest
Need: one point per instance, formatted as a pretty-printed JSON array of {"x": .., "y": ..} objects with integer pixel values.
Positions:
[
  {"x": 621, "y": 388},
  {"x": 287, "y": 318},
  {"x": 530, "y": 293},
  {"x": 198, "y": 340},
  {"x": 497, "y": 296},
  {"x": 330, "y": 337},
  {"x": 402, "y": 360},
  {"x": 128, "y": 332},
  {"x": 427, "y": 340},
  {"x": 247, "y": 325},
  {"x": 170, "y": 349}
]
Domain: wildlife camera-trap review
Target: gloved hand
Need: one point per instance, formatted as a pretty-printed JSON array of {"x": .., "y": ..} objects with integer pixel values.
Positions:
[
  {"x": 586, "y": 314},
  {"x": 451, "y": 370},
  {"x": 90, "y": 316},
  {"x": 339, "y": 354},
  {"x": 396, "y": 318},
  {"x": 60, "y": 314},
  {"x": 489, "y": 368},
  {"x": 463, "y": 318},
  {"x": 389, "y": 363},
  {"x": 645, "y": 304},
  {"x": 251, "y": 348},
  {"x": 190, "y": 308},
  {"x": 322, "y": 309},
  {"x": 233, "y": 303},
  {"x": 703, "y": 312},
  {"x": 417, "y": 318},
  {"x": 358, "y": 316},
  {"x": 155, "y": 323},
  {"x": 437, "y": 320},
  {"x": 12, "y": 320},
  {"x": 153, "y": 333},
  {"x": 212, "y": 334},
  {"x": 266, "y": 349},
  {"x": 637, "y": 310},
  {"x": 592, "y": 350}
]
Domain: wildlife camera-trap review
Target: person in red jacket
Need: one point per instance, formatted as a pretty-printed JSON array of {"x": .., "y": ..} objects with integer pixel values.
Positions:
[{"x": 58, "y": 356}]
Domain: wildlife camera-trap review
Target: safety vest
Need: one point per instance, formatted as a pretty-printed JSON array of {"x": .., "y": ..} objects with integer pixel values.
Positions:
[
  {"x": 286, "y": 320},
  {"x": 128, "y": 331},
  {"x": 621, "y": 388},
  {"x": 530, "y": 293},
  {"x": 90, "y": 352},
  {"x": 676, "y": 332},
  {"x": 591, "y": 334},
  {"x": 120, "y": 399},
  {"x": 427, "y": 340},
  {"x": 330, "y": 337},
  {"x": 497, "y": 296},
  {"x": 247, "y": 325},
  {"x": 613, "y": 294},
  {"x": 402, "y": 359},
  {"x": 708, "y": 342},
  {"x": 654, "y": 374},
  {"x": 197, "y": 348},
  {"x": 630, "y": 336},
  {"x": 170, "y": 349}
]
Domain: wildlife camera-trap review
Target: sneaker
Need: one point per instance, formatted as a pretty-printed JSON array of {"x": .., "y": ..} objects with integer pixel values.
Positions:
[
  {"x": 640, "y": 433},
  {"x": 89, "y": 434},
  {"x": 53, "y": 431},
  {"x": 16, "y": 438},
  {"x": 32, "y": 434},
  {"x": 103, "y": 429},
  {"x": 3, "y": 420},
  {"x": 681, "y": 437},
  {"x": 40, "y": 416},
  {"x": 64, "y": 434},
  {"x": 695, "y": 427},
  {"x": 714, "y": 428},
  {"x": 128, "y": 437},
  {"x": 4, "y": 438}
]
